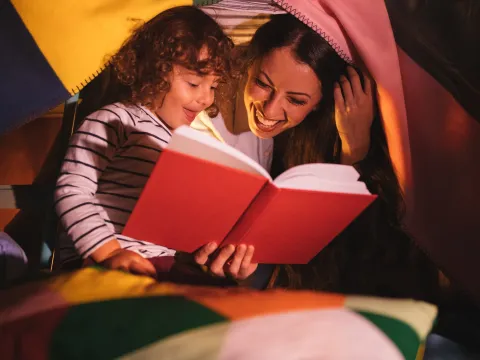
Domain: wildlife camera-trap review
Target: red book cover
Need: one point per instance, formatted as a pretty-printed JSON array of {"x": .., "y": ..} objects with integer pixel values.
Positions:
[
  {"x": 294, "y": 225},
  {"x": 188, "y": 202},
  {"x": 202, "y": 190}
]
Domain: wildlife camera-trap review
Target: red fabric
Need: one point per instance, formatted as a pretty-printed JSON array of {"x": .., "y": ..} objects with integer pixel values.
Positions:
[
  {"x": 29, "y": 338},
  {"x": 163, "y": 264}
]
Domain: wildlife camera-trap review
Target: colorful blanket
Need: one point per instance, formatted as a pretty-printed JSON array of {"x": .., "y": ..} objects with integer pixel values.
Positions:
[{"x": 98, "y": 314}]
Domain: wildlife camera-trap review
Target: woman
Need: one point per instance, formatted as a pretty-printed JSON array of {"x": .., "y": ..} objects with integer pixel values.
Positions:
[{"x": 290, "y": 94}]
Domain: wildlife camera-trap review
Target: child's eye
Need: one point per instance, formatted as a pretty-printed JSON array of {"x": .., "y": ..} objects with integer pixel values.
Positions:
[
  {"x": 297, "y": 102},
  {"x": 261, "y": 83}
]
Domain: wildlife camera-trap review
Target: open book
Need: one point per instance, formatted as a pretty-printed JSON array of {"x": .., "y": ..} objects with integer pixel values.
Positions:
[{"x": 203, "y": 190}]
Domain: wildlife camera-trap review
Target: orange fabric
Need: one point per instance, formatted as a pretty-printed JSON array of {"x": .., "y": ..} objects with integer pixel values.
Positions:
[{"x": 245, "y": 304}]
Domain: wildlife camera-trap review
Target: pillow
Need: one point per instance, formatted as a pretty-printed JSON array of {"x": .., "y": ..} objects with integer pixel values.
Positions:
[
  {"x": 99, "y": 314},
  {"x": 13, "y": 260}
]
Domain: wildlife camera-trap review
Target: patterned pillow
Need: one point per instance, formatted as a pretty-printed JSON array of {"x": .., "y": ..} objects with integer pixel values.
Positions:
[{"x": 98, "y": 314}]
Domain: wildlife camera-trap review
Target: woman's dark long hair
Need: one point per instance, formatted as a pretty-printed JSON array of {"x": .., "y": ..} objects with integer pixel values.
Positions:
[{"x": 373, "y": 255}]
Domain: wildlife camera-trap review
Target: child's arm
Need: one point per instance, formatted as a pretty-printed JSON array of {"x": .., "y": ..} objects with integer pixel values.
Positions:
[{"x": 90, "y": 151}]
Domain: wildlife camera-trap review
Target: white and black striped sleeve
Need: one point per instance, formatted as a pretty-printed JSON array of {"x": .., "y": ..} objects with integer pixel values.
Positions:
[{"x": 90, "y": 151}]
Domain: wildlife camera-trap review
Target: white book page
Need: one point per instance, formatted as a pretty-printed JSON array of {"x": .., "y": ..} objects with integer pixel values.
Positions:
[
  {"x": 191, "y": 142},
  {"x": 322, "y": 177}
]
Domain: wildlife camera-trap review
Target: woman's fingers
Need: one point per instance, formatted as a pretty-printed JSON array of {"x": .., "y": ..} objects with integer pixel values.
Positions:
[
  {"x": 347, "y": 92},
  {"x": 355, "y": 82},
  {"x": 247, "y": 268},
  {"x": 338, "y": 96},
  {"x": 217, "y": 265},
  {"x": 237, "y": 260},
  {"x": 367, "y": 85},
  {"x": 202, "y": 254}
]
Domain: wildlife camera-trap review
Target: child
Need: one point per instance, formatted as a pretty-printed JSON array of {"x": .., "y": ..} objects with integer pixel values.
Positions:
[{"x": 169, "y": 68}]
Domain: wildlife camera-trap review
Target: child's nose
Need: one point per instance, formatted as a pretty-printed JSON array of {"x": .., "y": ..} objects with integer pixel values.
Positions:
[{"x": 206, "y": 97}]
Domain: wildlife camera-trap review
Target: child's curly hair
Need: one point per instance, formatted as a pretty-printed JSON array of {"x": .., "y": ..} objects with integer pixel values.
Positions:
[{"x": 174, "y": 36}]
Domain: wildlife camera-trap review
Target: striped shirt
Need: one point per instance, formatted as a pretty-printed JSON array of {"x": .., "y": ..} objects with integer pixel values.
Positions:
[
  {"x": 240, "y": 19},
  {"x": 107, "y": 164}
]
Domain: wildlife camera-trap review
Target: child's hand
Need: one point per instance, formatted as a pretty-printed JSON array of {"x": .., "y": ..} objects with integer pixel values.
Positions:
[
  {"x": 129, "y": 261},
  {"x": 231, "y": 261},
  {"x": 354, "y": 111}
]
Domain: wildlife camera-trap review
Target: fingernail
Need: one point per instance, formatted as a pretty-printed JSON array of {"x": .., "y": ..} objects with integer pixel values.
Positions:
[
  {"x": 212, "y": 245},
  {"x": 242, "y": 247},
  {"x": 231, "y": 247}
]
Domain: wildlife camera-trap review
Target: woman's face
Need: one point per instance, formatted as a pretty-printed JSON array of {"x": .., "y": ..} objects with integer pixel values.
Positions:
[{"x": 280, "y": 93}]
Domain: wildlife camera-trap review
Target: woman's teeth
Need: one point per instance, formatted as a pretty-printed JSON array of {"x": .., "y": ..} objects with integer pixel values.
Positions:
[{"x": 265, "y": 122}]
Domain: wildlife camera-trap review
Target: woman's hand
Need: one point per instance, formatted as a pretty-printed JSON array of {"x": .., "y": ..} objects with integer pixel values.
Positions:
[
  {"x": 229, "y": 261},
  {"x": 354, "y": 111},
  {"x": 126, "y": 260}
]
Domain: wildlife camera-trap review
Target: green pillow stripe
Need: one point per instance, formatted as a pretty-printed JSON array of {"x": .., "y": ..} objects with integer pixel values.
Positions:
[
  {"x": 108, "y": 329},
  {"x": 402, "y": 334}
]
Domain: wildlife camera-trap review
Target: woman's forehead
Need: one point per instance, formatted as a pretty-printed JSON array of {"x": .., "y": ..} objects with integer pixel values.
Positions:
[{"x": 285, "y": 70}]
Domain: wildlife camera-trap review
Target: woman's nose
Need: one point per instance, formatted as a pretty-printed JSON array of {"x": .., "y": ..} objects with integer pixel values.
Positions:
[{"x": 272, "y": 108}]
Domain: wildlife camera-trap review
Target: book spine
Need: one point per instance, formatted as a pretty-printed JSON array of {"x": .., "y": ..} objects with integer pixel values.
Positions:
[{"x": 239, "y": 232}]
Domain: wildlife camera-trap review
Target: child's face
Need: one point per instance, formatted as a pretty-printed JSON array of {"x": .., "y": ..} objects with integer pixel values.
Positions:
[{"x": 189, "y": 94}]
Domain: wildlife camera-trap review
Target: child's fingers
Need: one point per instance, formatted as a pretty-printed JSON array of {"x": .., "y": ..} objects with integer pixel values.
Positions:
[
  {"x": 247, "y": 268},
  {"x": 202, "y": 254},
  {"x": 143, "y": 267},
  {"x": 339, "y": 100},
  {"x": 234, "y": 267},
  {"x": 347, "y": 91},
  {"x": 355, "y": 82},
  {"x": 217, "y": 265}
]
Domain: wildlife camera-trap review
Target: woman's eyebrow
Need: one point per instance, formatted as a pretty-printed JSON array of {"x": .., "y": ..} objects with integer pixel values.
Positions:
[
  {"x": 298, "y": 93},
  {"x": 288, "y": 92}
]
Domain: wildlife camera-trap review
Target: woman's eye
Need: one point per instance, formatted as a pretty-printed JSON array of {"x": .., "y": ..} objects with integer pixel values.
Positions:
[
  {"x": 297, "y": 102},
  {"x": 261, "y": 83},
  {"x": 193, "y": 85}
]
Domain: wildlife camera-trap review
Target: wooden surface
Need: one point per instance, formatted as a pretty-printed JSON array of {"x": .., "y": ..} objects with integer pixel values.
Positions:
[{"x": 23, "y": 152}]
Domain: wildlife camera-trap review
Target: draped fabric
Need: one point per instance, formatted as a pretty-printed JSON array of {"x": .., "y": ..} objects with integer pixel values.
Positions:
[
  {"x": 429, "y": 107},
  {"x": 51, "y": 49}
]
